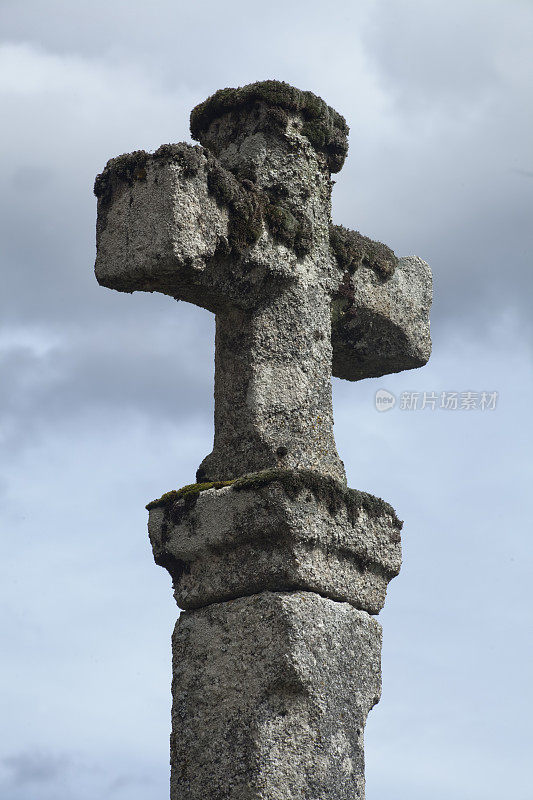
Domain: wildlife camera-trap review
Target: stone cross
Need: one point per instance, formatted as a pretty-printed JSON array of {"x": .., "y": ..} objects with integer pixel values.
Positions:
[{"x": 278, "y": 564}]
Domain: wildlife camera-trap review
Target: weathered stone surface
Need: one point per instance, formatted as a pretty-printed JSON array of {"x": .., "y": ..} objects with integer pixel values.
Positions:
[
  {"x": 380, "y": 327},
  {"x": 229, "y": 544},
  {"x": 270, "y": 698}
]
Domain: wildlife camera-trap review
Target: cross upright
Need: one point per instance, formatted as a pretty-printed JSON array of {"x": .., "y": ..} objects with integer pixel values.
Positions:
[{"x": 279, "y": 566}]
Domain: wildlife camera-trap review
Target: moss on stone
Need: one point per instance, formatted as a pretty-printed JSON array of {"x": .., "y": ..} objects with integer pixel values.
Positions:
[
  {"x": 131, "y": 167},
  {"x": 244, "y": 205},
  {"x": 277, "y": 119},
  {"x": 354, "y": 250},
  {"x": 315, "y": 133},
  {"x": 282, "y": 223},
  {"x": 250, "y": 206},
  {"x": 289, "y": 226},
  {"x": 190, "y": 158},
  {"x": 325, "y": 490},
  {"x": 122, "y": 169},
  {"x": 274, "y": 93},
  {"x": 325, "y": 128}
]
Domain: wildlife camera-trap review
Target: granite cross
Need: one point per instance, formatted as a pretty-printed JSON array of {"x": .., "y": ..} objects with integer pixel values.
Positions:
[{"x": 241, "y": 225}]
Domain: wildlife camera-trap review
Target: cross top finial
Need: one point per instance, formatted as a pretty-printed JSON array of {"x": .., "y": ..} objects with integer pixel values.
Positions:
[{"x": 270, "y": 107}]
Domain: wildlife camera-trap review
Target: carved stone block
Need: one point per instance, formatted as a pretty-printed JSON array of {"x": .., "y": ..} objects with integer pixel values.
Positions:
[{"x": 229, "y": 543}]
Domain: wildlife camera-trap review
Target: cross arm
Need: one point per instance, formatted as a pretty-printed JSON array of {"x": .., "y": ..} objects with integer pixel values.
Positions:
[
  {"x": 176, "y": 222},
  {"x": 380, "y": 310}
]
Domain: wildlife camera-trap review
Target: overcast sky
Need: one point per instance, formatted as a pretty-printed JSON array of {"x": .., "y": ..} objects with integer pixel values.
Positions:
[{"x": 106, "y": 399}]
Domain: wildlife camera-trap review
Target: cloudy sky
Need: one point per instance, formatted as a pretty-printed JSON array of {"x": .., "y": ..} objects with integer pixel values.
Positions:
[{"x": 106, "y": 399}]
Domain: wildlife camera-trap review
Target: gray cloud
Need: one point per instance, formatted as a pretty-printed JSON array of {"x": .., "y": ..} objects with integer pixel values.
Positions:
[
  {"x": 161, "y": 369},
  {"x": 129, "y": 781},
  {"x": 35, "y": 767},
  {"x": 51, "y": 776}
]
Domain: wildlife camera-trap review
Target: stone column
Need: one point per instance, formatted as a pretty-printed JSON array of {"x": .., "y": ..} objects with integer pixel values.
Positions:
[{"x": 276, "y": 661}]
